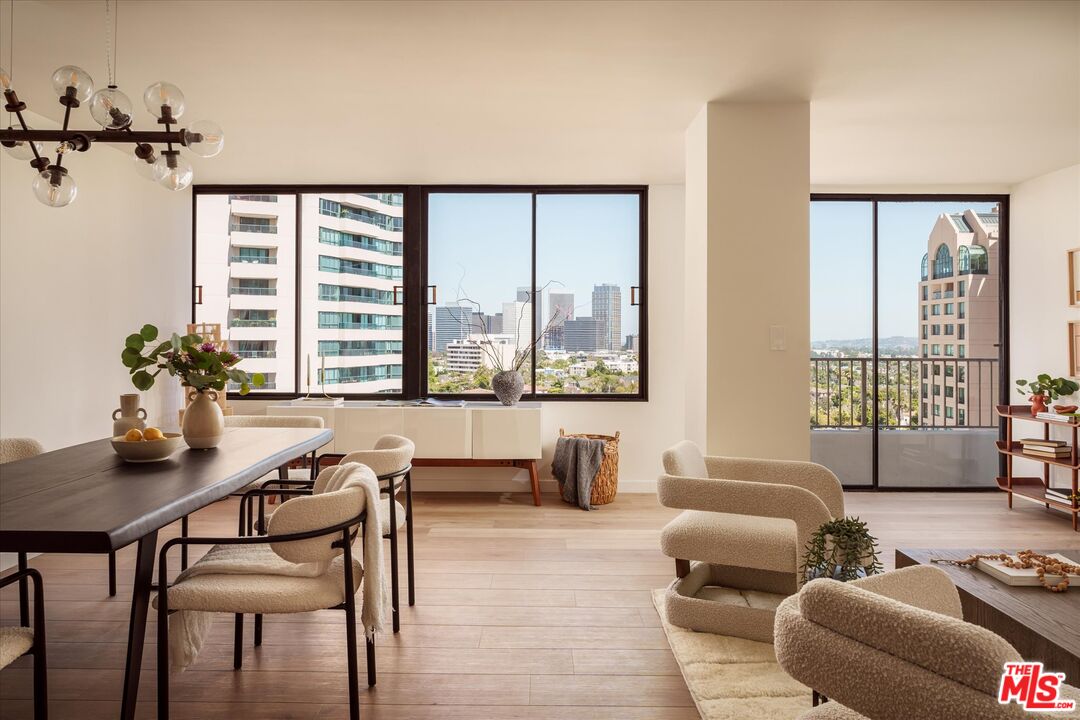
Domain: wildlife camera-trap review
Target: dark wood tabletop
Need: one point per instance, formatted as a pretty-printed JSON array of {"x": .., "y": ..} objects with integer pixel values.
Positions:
[
  {"x": 87, "y": 499},
  {"x": 1040, "y": 624}
]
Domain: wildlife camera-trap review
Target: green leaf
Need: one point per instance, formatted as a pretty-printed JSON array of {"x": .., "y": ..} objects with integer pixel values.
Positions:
[
  {"x": 163, "y": 347},
  {"x": 142, "y": 380},
  {"x": 135, "y": 342},
  {"x": 258, "y": 379},
  {"x": 191, "y": 340},
  {"x": 174, "y": 341},
  {"x": 149, "y": 333},
  {"x": 143, "y": 362},
  {"x": 1044, "y": 378},
  {"x": 130, "y": 357},
  {"x": 244, "y": 389},
  {"x": 1021, "y": 383}
]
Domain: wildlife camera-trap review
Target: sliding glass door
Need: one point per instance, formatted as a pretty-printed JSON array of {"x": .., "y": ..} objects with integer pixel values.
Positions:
[{"x": 930, "y": 372}]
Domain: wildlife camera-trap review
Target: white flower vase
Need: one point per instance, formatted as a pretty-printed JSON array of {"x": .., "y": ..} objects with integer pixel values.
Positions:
[{"x": 204, "y": 424}]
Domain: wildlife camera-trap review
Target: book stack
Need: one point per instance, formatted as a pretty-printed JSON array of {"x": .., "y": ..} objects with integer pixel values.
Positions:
[
  {"x": 1053, "y": 449},
  {"x": 1059, "y": 495},
  {"x": 1058, "y": 417}
]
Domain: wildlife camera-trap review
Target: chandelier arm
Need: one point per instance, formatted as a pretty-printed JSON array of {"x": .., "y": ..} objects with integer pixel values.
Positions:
[
  {"x": 15, "y": 106},
  {"x": 133, "y": 137}
]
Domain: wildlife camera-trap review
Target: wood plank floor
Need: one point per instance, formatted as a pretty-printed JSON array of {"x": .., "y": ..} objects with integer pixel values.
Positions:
[{"x": 522, "y": 613}]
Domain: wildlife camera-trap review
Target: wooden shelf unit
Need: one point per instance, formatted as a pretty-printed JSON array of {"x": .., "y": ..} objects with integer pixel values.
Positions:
[{"x": 1034, "y": 488}]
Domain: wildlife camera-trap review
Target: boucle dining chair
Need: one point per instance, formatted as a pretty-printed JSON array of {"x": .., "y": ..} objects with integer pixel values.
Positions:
[
  {"x": 27, "y": 639},
  {"x": 11, "y": 450},
  {"x": 391, "y": 460},
  {"x": 746, "y": 522},
  {"x": 314, "y": 530},
  {"x": 895, "y": 646}
]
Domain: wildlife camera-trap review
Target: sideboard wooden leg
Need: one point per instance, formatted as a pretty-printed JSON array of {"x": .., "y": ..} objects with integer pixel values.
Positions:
[{"x": 534, "y": 478}]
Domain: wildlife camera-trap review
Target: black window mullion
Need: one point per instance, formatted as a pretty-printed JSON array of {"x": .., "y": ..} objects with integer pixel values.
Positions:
[
  {"x": 414, "y": 325},
  {"x": 532, "y": 321},
  {"x": 298, "y": 224}
]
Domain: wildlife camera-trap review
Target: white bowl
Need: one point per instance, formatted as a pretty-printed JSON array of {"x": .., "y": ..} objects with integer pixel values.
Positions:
[{"x": 143, "y": 451}]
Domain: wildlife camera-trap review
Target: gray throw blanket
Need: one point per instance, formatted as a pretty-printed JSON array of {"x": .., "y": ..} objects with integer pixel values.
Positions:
[{"x": 575, "y": 465}]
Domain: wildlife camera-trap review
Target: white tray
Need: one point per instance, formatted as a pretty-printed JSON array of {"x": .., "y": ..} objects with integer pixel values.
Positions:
[{"x": 1022, "y": 577}]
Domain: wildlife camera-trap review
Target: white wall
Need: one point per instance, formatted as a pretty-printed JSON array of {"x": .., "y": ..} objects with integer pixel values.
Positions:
[
  {"x": 647, "y": 428},
  {"x": 1044, "y": 224},
  {"x": 74, "y": 282}
]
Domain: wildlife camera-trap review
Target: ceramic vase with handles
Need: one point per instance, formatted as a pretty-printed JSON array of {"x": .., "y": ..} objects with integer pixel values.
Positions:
[
  {"x": 129, "y": 415},
  {"x": 204, "y": 424}
]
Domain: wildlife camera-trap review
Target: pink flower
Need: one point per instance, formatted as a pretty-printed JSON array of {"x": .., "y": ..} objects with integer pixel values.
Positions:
[{"x": 207, "y": 347}]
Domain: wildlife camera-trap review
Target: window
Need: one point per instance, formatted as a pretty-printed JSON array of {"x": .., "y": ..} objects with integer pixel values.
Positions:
[
  {"x": 949, "y": 329},
  {"x": 924, "y": 312},
  {"x": 935, "y": 329},
  {"x": 964, "y": 256},
  {"x": 960, "y": 308},
  {"x": 925, "y": 261},
  {"x": 963, "y": 287},
  {"x": 948, "y": 412},
  {"x": 937, "y": 389},
  {"x": 336, "y": 292},
  {"x": 935, "y": 310},
  {"x": 980, "y": 262},
  {"x": 924, "y": 350},
  {"x": 963, "y": 352},
  {"x": 948, "y": 308},
  {"x": 960, "y": 395},
  {"x": 925, "y": 292},
  {"x": 942, "y": 262},
  {"x": 960, "y": 418},
  {"x": 556, "y": 272},
  {"x": 960, "y": 331},
  {"x": 949, "y": 371},
  {"x": 935, "y": 349},
  {"x": 950, "y": 350},
  {"x": 924, "y": 327},
  {"x": 937, "y": 410},
  {"x": 948, "y": 391}
]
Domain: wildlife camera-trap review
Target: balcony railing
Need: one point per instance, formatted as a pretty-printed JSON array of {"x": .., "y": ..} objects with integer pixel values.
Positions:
[
  {"x": 256, "y": 259},
  {"x": 841, "y": 392},
  {"x": 238, "y": 290},
  {"x": 270, "y": 385},
  {"x": 256, "y": 353},
  {"x": 245, "y": 322},
  {"x": 254, "y": 198},
  {"x": 243, "y": 227}
]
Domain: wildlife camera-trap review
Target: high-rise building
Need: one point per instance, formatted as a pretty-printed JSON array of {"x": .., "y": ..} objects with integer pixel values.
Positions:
[
  {"x": 958, "y": 319},
  {"x": 561, "y": 307},
  {"x": 452, "y": 322},
  {"x": 524, "y": 294},
  {"x": 585, "y": 334},
  {"x": 516, "y": 322},
  {"x": 351, "y": 256},
  {"x": 607, "y": 309}
]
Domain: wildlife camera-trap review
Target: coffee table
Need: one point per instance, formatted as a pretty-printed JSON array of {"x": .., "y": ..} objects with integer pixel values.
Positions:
[{"x": 1042, "y": 625}]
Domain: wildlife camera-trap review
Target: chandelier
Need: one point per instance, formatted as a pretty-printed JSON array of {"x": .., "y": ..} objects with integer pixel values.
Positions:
[{"x": 112, "y": 110}]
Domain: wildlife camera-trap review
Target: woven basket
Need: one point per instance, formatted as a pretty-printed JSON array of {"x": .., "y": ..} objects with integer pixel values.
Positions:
[{"x": 607, "y": 478}]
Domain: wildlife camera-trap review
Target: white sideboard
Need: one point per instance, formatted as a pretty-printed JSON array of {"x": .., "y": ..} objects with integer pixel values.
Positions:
[{"x": 479, "y": 434}]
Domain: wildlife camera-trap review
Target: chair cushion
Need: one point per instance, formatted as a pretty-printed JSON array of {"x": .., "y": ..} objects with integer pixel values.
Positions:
[
  {"x": 739, "y": 540},
  {"x": 248, "y": 593},
  {"x": 14, "y": 642},
  {"x": 685, "y": 460},
  {"x": 384, "y": 515}
]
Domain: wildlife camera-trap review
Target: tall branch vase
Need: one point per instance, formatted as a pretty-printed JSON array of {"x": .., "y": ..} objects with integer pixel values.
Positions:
[{"x": 508, "y": 386}]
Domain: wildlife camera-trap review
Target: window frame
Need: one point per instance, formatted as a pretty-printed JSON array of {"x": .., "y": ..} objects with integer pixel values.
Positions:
[{"x": 414, "y": 299}]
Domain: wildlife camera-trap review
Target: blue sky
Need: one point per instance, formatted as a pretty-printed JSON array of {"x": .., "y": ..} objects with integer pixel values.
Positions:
[
  {"x": 481, "y": 243},
  {"x": 840, "y": 265}
]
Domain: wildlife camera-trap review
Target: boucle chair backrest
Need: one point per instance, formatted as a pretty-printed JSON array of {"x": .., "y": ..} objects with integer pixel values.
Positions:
[
  {"x": 392, "y": 453},
  {"x": 685, "y": 460},
  {"x": 946, "y": 646},
  {"x": 282, "y": 421},
  {"x": 12, "y": 449},
  {"x": 337, "y": 498}
]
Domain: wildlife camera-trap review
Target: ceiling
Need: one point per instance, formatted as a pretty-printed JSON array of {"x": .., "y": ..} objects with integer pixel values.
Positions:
[{"x": 901, "y": 93}]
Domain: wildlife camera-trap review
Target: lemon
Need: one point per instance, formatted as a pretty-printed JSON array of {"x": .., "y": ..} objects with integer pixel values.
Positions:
[
  {"x": 152, "y": 433},
  {"x": 133, "y": 435}
]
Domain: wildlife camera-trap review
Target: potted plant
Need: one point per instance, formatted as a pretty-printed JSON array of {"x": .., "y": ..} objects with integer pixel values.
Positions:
[
  {"x": 841, "y": 549},
  {"x": 1044, "y": 388},
  {"x": 204, "y": 370}
]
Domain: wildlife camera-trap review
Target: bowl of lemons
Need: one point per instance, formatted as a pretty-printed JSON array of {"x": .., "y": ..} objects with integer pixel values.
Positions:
[{"x": 149, "y": 445}]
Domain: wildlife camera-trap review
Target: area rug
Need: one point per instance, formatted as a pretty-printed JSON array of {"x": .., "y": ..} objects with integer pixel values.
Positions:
[{"x": 731, "y": 678}]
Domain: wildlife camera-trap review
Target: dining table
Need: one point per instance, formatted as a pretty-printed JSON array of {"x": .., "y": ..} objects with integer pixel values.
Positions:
[{"x": 86, "y": 499}]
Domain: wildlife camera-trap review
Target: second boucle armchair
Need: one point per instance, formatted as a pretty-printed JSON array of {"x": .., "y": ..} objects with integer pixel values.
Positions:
[{"x": 738, "y": 543}]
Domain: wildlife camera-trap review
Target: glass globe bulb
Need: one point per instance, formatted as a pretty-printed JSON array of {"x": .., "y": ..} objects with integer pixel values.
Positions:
[
  {"x": 213, "y": 139},
  {"x": 111, "y": 109},
  {"x": 145, "y": 169},
  {"x": 163, "y": 93},
  {"x": 76, "y": 77},
  {"x": 22, "y": 150},
  {"x": 54, "y": 195},
  {"x": 173, "y": 178}
]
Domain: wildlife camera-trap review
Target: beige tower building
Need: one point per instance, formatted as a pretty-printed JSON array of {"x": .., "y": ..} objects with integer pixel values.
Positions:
[{"x": 958, "y": 321}]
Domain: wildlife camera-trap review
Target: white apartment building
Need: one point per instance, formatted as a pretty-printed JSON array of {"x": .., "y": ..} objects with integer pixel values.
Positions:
[
  {"x": 470, "y": 355},
  {"x": 350, "y": 261}
]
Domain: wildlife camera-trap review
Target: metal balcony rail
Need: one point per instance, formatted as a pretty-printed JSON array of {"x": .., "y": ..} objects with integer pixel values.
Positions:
[
  {"x": 256, "y": 259},
  {"x": 396, "y": 199},
  {"x": 238, "y": 290},
  {"x": 841, "y": 392},
  {"x": 269, "y": 385},
  {"x": 244, "y": 227},
  {"x": 254, "y": 198},
  {"x": 245, "y": 322},
  {"x": 256, "y": 353}
]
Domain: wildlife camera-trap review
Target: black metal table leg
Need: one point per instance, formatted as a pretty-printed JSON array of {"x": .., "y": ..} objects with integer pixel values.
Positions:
[{"x": 140, "y": 602}]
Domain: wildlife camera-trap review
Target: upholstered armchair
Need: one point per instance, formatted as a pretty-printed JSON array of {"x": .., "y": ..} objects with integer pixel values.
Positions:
[
  {"x": 893, "y": 647},
  {"x": 747, "y": 523},
  {"x": 27, "y": 639}
]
